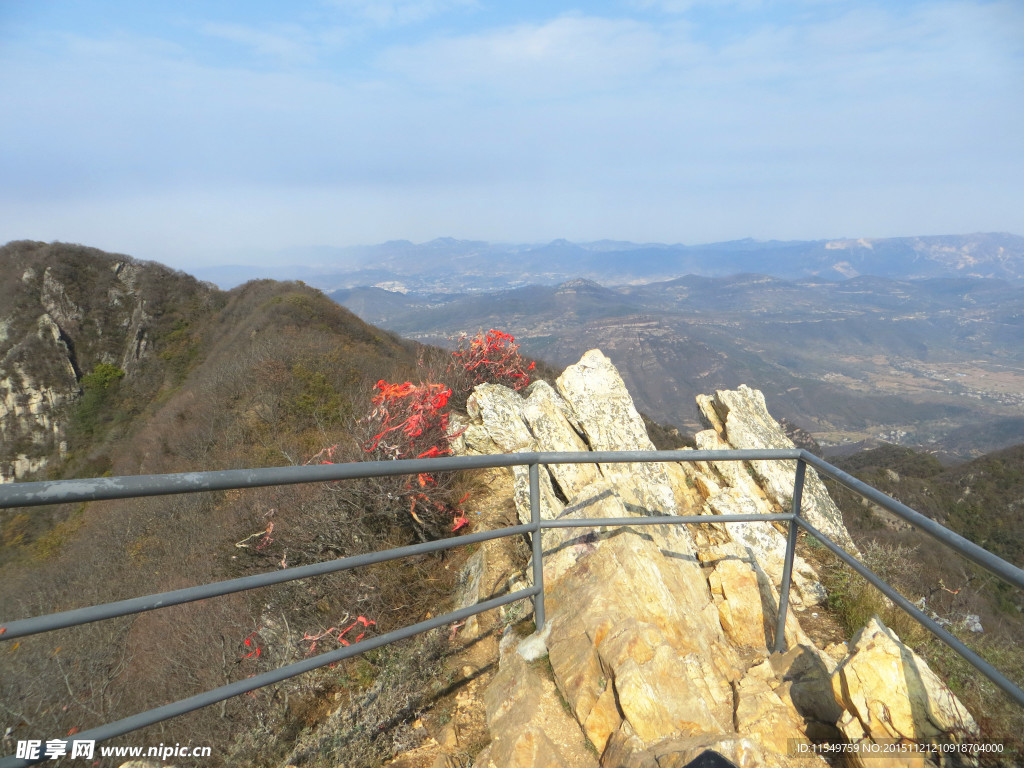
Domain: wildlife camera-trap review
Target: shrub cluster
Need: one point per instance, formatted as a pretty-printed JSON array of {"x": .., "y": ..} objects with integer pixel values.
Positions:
[
  {"x": 412, "y": 421},
  {"x": 494, "y": 358}
]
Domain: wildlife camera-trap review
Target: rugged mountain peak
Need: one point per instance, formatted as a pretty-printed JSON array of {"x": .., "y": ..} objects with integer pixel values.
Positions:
[
  {"x": 658, "y": 637},
  {"x": 591, "y": 410},
  {"x": 65, "y": 309}
]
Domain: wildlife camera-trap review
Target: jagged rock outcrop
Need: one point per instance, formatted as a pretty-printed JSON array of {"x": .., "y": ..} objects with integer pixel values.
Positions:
[
  {"x": 888, "y": 692},
  {"x": 503, "y": 422},
  {"x": 740, "y": 419},
  {"x": 658, "y": 637},
  {"x": 527, "y": 720},
  {"x": 64, "y": 310}
]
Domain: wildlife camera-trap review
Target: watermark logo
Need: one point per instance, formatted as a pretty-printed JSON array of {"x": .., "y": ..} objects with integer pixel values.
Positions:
[{"x": 35, "y": 749}]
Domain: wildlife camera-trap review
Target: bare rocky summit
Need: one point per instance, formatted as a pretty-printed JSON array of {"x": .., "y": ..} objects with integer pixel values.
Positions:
[{"x": 658, "y": 637}]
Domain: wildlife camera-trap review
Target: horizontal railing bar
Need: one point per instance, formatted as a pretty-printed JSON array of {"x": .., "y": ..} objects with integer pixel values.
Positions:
[
  {"x": 992, "y": 563},
  {"x": 32, "y": 626},
  {"x": 130, "y": 486},
  {"x": 993, "y": 674},
  {"x": 78, "y": 616},
  {"x": 166, "y": 712},
  {"x": 591, "y": 522}
]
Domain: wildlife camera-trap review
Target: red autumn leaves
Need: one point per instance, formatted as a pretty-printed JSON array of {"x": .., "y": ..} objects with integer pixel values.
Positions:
[
  {"x": 411, "y": 420},
  {"x": 493, "y": 357},
  {"x": 414, "y": 412},
  {"x": 365, "y": 622}
]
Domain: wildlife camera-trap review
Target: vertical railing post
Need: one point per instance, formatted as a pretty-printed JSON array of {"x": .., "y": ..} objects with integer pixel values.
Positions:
[
  {"x": 538, "y": 549},
  {"x": 787, "y": 568}
]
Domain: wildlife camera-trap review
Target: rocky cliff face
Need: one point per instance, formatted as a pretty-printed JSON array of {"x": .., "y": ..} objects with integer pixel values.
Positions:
[
  {"x": 63, "y": 310},
  {"x": 658, "y": 637}
]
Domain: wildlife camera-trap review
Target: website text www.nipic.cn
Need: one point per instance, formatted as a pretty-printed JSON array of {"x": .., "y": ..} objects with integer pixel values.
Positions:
[{"x": 55, "y": 748}]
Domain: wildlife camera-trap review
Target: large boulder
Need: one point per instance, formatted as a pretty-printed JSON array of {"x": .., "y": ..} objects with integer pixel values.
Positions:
[
  {"x": 889, "y": 692},
  {"x": 597, "y": 397},
  {"x": 739, "y": 493},
  {"x": 529, "y": 726},
  {"x": 592, "y": 410}
]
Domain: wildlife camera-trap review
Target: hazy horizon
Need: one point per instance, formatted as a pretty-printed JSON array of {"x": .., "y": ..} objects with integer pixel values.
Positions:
[{"x": 193, "y": 134}]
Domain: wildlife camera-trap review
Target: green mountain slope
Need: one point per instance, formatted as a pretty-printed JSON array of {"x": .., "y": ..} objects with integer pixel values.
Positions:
[{"x": 982, "y": 500}]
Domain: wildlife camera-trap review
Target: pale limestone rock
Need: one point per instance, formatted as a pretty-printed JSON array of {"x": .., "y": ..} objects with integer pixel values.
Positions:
[
  {"x": 736, "y": 474},
  {"x": 808, "y": 674},
  {"x": 35, "y": 409},
  {"x": 684, "y": 486},
  {"x": 55, "y": 300},
  {"x": 738, "y": 597},
  {"x": 768, "y": 546},
  {"x": 467, "y": 438},
  {"x": 497, "y": 419},
  {"x": 763, "y": 716},
  {"x": 529, "y": 727},
  {"x": 630, "y": 610},
  {"x": 29, "y": 408},
  {"x": 741, "y": 419},
  {"x": 742, "y": 495},
  {"x": 541, "y": 390},
  {"x": 889, "y": 692},
  {"x": 595, "y": 392},
  {"x": 500, "y": 411},
  {"x": 657, "y": 657},
  {"x": 547, "y": 417},
  {"x": 550, "y": 506},
  {"x": 603, "y": 719},
  {"x": 714, "y": 553},
  {"x": 469, "y": 592}
]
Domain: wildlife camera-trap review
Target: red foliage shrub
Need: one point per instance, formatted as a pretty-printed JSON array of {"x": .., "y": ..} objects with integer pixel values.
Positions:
[
  {"x": 410, "y": 420},
  {"x": 493, "y": 357},
  {"x": 315, "y": 639},
  {"x": 414, "y": 412}
]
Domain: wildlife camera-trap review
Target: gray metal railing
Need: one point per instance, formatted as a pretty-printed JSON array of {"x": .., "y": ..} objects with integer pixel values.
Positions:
[{"x": 62, "y": 491}]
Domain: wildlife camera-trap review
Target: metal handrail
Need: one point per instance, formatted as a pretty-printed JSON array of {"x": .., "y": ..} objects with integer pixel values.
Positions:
[{"x": 62, "y": 491}]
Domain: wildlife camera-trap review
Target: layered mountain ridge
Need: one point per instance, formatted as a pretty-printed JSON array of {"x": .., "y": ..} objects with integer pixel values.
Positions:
[
  {"x": 934, "y": 363},
  {"x": 447, "y": 265}
]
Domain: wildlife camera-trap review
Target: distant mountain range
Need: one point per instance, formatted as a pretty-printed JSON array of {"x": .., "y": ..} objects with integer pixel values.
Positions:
[
  {"x": 447, "y": 265},
  {"x": 936, "y": 362}
]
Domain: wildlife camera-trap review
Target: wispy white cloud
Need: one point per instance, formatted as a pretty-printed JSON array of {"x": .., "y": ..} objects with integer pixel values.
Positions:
[
  {"x": 288, "y": 44},
  {"x": 390, "y": 13},
  {"x": 564, "y": 56}
]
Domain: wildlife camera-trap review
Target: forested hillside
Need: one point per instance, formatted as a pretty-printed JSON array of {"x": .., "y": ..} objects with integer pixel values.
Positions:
[
  {"x": 266, "y": 374},
  {"x": 982, "y": 499}
]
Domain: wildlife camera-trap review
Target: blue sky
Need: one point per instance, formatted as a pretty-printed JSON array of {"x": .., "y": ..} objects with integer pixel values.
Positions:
[{"x": 190, "y": 132}]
